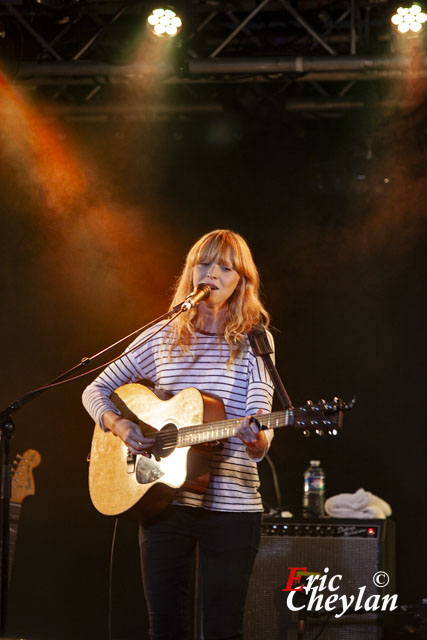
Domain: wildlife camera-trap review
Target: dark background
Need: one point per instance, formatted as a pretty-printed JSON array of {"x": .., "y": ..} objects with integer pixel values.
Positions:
[{"x": 334, "y": 210}]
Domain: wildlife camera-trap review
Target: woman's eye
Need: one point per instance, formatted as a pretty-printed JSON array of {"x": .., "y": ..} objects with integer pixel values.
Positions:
[{"x": 224, "y": 268}]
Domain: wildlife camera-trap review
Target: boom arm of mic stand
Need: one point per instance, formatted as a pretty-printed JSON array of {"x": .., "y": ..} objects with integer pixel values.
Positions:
[{"x": 84, "y": 363}]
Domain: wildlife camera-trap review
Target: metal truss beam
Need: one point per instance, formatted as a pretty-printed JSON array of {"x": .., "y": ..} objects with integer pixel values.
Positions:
[
  {"x": 161, "y": 111},
  {"x": 305, "y": 54},
  {"x": 336, "y": 67}
]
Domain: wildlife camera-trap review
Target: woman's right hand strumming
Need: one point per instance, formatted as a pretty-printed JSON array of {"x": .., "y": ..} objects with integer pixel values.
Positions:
[{"x": 129, "y": 432}]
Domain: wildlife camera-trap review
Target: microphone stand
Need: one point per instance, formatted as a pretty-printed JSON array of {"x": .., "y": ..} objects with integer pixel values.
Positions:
[{"x": 7, "y": 429}]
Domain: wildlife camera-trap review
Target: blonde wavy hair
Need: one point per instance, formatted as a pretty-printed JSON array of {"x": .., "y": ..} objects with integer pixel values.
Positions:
[{"x": 244, "y": 307}]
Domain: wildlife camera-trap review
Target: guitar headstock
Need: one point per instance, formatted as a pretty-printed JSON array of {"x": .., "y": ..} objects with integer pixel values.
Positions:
[
  {"x": 323, "y": 418},
  {"x": 22, "y": 475}
]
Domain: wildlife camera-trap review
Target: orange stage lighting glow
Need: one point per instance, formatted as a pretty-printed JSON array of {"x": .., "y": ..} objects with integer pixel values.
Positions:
[
  {"x": 36, "y": 149},
  {"x": 98, "y": 248}
]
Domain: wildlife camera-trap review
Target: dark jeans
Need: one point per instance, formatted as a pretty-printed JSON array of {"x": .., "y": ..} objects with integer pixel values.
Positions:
[{"x": 227, "y": 544}]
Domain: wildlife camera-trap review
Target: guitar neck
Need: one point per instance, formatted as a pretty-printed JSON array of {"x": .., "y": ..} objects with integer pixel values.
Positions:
[
  {"x": 212, "y": 431},
  {"x": 15, "y": 514}
]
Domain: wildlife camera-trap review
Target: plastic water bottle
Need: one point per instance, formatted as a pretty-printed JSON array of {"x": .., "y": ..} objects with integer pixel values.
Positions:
[{"x": 314, "y": 490}]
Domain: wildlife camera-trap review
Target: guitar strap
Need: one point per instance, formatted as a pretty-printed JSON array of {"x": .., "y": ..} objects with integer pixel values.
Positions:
[{"x": 261, "y": 347}]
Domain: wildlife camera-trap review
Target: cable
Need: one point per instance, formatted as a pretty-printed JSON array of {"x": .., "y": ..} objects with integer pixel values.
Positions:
[
  {"x": 110, "y": 583},
  {"x": 275, "y": 482},
  {"x": 105, "y": 364},
  {"x": 324, "y": 627},
  {"x": 17, "y": 404}
]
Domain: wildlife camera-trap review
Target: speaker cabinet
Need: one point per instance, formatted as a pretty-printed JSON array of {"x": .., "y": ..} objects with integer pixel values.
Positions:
[{"x": 353, "y": 549}]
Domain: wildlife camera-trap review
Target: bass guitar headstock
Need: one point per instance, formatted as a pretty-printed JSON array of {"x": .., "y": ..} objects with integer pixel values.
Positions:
[{"x": 22, "y": 475}]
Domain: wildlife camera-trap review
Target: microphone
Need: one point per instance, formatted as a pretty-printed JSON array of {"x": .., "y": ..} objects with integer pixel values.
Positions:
[{"x": 200, "y": 292}]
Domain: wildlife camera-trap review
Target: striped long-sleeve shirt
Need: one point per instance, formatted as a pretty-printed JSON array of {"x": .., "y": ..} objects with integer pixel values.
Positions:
[{"x": 244, "y": 386}]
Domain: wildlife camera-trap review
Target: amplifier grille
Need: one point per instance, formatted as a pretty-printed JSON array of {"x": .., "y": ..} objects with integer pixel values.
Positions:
[{"x": 357, "y": 559}]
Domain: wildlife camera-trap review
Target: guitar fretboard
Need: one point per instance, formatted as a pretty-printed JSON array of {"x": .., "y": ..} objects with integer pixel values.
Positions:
[{"x": 209, "y": 432}]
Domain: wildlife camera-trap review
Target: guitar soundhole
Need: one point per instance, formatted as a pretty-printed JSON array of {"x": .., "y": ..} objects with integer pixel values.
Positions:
[{"x": 166, "y": 440}]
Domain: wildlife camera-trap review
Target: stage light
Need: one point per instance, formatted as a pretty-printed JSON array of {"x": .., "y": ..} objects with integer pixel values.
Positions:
[
  {"x": 164, "y": 23},
  {"x": 409, "y": 19}
]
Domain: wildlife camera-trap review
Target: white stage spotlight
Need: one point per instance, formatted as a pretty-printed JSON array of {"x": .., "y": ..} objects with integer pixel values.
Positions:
[
  {"x": 164, "y": 23},
  {"x": 410, "y": 19}
]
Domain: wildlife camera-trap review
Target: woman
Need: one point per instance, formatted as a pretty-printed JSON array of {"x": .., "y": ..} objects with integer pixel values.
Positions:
[{"x": 208, "y": 348}]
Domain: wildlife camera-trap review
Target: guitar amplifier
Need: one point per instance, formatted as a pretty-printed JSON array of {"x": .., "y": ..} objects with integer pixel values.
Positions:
[{"x": 359, "y": 552}]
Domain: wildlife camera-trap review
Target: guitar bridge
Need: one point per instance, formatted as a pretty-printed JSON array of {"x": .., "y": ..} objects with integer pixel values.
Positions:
[{"x": 130, "y": 462}]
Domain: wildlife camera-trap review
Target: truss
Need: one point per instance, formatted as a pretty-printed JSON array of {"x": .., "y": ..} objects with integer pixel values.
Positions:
[{"x": 267, "y": 58}]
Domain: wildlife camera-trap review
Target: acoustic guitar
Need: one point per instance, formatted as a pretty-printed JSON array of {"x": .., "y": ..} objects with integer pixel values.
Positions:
[{"x": 183, "y": 425}]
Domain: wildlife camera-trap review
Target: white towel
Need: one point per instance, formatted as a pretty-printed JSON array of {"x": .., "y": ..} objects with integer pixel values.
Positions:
[
  {"x": 361, "y": 504},
  {"x": 358, "y": 500},
  {"x": 382, "y": 504}
]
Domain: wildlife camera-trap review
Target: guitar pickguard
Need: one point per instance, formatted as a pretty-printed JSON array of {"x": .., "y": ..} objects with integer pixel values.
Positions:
[{"x": 147, "y": 470}]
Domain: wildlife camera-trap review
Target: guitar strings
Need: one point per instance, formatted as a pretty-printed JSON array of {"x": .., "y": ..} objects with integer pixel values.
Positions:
[
  {"x": 167, "y": 441},
  {"x": 221, "y": 429}
]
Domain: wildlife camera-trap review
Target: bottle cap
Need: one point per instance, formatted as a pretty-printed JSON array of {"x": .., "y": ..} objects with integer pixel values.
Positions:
[{"x": 315, "y": 463}]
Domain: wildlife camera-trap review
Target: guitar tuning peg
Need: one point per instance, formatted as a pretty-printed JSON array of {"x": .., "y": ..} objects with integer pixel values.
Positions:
[
  {"x": 320, "y": 432},
  {"x": 309, "y": 403},
  {"x": 306, "y": 433}
]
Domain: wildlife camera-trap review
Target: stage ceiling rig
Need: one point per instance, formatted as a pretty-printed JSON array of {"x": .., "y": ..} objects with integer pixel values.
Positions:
[{"x": 85, "y": 58}]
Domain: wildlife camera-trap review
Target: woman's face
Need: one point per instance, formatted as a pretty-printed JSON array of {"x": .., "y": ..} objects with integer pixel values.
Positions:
[{"x": 221, "y": 277}]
